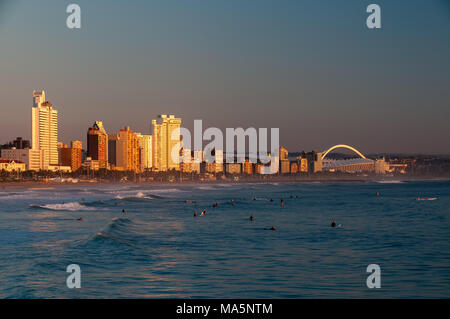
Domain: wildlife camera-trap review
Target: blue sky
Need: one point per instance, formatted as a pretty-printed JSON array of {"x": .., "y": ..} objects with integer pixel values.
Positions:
[{"x": 309, "y": 67}]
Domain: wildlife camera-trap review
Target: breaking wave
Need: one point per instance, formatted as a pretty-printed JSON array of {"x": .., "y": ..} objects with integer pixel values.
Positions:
[
  {"x": 138, "y": 196},
  {"x": 74, "y": 206}
]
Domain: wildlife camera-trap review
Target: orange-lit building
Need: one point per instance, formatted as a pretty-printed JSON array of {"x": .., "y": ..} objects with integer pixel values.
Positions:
[
  {"x": 70, "y": 156},
  {"x": 128, "y": 151},
  {"x": 247, "y": 167},
  {"x": 303, "y": 165},
  {"x": 97, "y": 145},
  {"x": 294, "y": 168},
  {"x": 283, "y": 154}
]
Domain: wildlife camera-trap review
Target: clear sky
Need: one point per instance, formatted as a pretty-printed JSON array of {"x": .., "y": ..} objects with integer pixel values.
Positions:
[{"x": 310, "y": 67}]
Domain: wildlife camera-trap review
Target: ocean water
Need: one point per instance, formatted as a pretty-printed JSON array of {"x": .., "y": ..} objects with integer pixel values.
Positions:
[{"x": 158, "y": 249}]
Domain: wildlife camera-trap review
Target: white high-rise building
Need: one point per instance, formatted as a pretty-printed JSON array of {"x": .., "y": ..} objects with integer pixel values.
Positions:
[
  {"x": 164, "y": 145},
  {"x": 44, "y": 125},
  {"x": 145, "y": 145}
]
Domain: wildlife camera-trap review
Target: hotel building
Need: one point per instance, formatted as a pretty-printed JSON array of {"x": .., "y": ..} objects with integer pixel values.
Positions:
[
  {"x": 145, "y": 146},
  {"x": 44, "y": 125},
  {"x": 165, "y": 141},
  {"x": 11, "y": 166},
  {"x": 71, "y": 156},
  {"x": 127, "y": 151},
  {"x": 97, "y": 144}
]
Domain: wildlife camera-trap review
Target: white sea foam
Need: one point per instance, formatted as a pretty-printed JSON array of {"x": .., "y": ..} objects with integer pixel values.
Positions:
[
  {"x": 74, "y": 206},
  {"x": 137, "y": 195},
  {"x": 390, "y": 182}
]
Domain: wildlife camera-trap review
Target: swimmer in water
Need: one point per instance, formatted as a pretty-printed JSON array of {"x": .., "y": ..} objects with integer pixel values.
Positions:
[
  {"x": 273, "y": 228},
  {"x": 333, "y": 224},
  {"x": 271, "y": 199},
  {"x": 81, "y": 218},
  {"x": 252, "y": 218},
  {"x": 281, "y": 202}
]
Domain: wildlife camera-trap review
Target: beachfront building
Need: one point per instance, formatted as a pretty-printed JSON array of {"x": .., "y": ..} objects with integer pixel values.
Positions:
[
  {"x": 313, "y": 160},
  {"x": 285, "y": 166},
  {"x": 294, "y": 168},
  {"x": 233, "y": 168},
  {"x": 217, "y": 165},
  {"x": 145, "y": 146},
  {"x": 97, "y": 144},
  {"x": 44, "y": 126},
  {"x": 12, "y": 166},
  {"x": 303, "y": 166},
  {"x": 90, "y": 164},
  {"x": 196, "y": 161},
  {"x": 247, "y": 167},
  {"x": 166, "y": 141},
  {"x": 187, "y": 161},
  {"x": 113, "y": 140},
  {"x": 127, "y": 151},
  {"x": 33, "y": 158},
  {"x": 70, "y": 156}
]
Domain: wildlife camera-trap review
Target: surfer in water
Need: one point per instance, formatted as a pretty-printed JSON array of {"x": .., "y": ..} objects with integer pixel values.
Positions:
[
  {"x": 333, "y": 224},
  {"x": 203, "y": 212},
  {"x": 80, "y": 219},
  {"x": 123, "y": 211},
  {"x": 273, "y": 228},
  {"x": 195, "y": 213},
  {"x": 282, "y": 202},
  {"x": 252, "y": 218}
]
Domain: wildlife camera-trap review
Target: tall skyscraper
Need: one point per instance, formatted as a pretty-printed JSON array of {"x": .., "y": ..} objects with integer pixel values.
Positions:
[
  {"x": 113, "y": 140},
  {"x": 44, "y": 126},
  {"x": 164, "y": 145},
  {"x": 97, "y": 144},
  {"x": 145, "y": 145},
  {"x": 127, "y": 151}
]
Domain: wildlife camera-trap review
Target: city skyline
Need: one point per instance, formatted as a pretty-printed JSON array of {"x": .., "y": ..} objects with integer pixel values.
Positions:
[
  {"x": 322, "y": 81},
  {"x": 168, "y": 122}
]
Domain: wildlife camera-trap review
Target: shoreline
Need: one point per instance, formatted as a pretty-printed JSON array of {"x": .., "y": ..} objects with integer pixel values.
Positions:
[{"x": 41, "y": 185}]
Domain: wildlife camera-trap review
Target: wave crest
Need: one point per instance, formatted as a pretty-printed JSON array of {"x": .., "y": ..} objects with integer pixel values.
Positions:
[{"x": 73, "y": 206}]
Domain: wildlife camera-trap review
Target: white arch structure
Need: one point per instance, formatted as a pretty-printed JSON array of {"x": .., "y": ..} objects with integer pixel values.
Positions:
[{"x": 343, "y": 146}]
